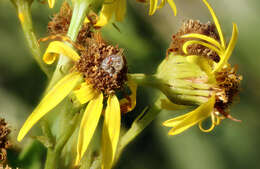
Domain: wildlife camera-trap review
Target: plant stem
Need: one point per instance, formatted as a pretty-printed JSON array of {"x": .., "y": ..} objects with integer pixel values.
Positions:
[
  {"x": 144, "y": 80},
  {"x": 24, "y": 14},
  {"x": 140, "y": 123}
]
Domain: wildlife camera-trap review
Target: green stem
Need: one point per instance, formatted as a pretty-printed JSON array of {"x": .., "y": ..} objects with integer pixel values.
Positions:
[
  {"x": 144, "y": 80},
  {"x": 52, "y": 159},
  {"x": 24, "y": 14},
  {"x": 141, "y": 122}
]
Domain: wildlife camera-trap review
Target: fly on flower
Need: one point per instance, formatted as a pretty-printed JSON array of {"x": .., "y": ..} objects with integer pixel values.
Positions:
[
  {"x": 204, "y": 45},
  {"x": 99, "y": 72}
]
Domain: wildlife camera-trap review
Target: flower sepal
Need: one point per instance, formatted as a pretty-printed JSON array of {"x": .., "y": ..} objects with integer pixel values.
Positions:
[{"x": 184, "y": 80}]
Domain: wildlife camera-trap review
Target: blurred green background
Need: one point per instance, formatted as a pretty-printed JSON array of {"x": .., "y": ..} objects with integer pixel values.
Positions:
[{"x": 145, "y": 39}]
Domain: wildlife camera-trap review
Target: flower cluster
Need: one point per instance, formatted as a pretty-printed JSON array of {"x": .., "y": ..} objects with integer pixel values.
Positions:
[{"x": 97, "y": 84}]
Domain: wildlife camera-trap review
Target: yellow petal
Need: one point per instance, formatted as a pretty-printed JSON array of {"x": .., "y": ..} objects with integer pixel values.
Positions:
[
  {"x": 85, "y": 93},
  {"x": 186, "y": 121},
  {"x": 120, "y": 10},
  {"x": 205, "y": 38},
  {"x": 51, "y": 3},
  {"x": 88, "y": 125},
  {"x": 191, "y": 42},
  {"x": 215, "y": 19},
  {"x": 130, "y": 102},
  {"x": 175, "y": 121},
  {"x": 161, "y": 4},
  {"x": 56, "y": 48},
  {"x": 105, "y": 14},
  {"x": 229, "y": 50},
  {"x": 111, "y": 131},
  {"x": 173, "y": 6},
  {"x": 50, "y": 100},
  {"x": 153, "y": 6}
]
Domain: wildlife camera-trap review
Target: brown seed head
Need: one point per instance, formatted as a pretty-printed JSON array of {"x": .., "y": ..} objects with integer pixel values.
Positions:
[
  {"x": 191, "y": 26},
  {"x": 60, "y": 22},
  {"x": 103, "y": 65},
  {"x": 228, "y": 88}
]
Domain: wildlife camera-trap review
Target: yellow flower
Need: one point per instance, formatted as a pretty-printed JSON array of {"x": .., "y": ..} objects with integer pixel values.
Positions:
[
  {"x": 154, "y": 6},
  {"x": 208, "y": 109},
  {"x": 109, "y": 8},
  {"x": 85, "y": 94}
]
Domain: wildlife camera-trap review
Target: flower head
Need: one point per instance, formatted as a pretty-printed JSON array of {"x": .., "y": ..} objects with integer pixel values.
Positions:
[
  {"x": 205, "y": 46},
  {"x": 98, "y": 73}
]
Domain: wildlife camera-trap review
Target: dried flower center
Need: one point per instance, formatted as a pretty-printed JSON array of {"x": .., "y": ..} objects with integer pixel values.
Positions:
[
  {"x": 191, "y": 26},
  {"x": 60, "y": 22},
  {"x": 103, "y": 65},
  {"x": 228, "y": 88}
]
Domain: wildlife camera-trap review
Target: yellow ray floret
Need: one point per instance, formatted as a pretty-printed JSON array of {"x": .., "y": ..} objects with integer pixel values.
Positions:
[
  {"x": 50, "y": 100},
  {"x": 85, "y": 93},
  {"x": 88, "y": 125},
  {"x": 111, "y": 131},
  {"x": 154, "y": 6},
  {"x": 56, "y": 48},
  {"x": 182, "y": 123},
  {"x": 117, "y": 7}
]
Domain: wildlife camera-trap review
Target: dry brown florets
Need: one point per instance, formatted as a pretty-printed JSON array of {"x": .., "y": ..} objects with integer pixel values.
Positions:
[
  {"x": 229, "y": 86},
  {"x": 4, "y": 142},
  {"x": 103, "y": 65},
  {"x": 60, "y": 22},
  {"x": 191, "y": 26}
]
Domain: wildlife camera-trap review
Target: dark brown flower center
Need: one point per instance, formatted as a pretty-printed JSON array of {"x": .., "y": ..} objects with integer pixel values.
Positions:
[{"x": 103, "y": 65}]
